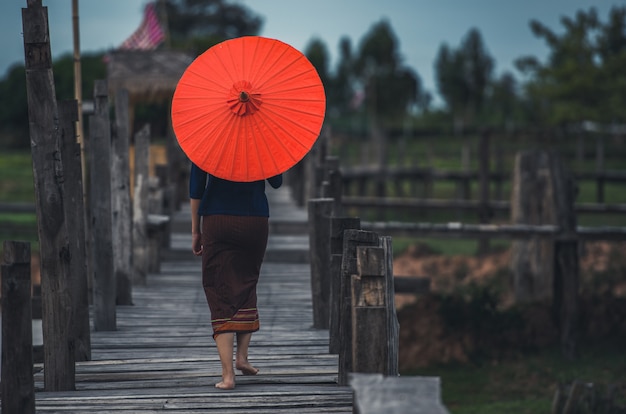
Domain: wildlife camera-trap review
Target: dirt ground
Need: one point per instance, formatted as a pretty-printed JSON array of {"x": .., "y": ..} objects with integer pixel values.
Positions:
[{"x": 459, "y": 321}]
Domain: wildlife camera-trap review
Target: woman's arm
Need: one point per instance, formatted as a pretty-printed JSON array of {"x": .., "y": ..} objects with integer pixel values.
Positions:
[
  {"x": 276, "y": 181},
  {"x": 196, "y": 230},
  {"x": 197, "y": 184}
]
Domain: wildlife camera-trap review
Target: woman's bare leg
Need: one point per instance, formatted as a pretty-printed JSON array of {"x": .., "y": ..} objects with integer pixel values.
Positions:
[
  {"x": 241, "y": 362},
  {"x": 225, "y": 343}
]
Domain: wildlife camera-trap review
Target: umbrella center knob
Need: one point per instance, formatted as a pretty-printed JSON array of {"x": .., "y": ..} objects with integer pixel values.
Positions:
[{"x": 243, "y": 99}]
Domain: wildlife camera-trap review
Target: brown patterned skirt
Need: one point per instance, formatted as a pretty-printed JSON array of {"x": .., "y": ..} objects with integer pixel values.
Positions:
[{"x": 233, "y": 250}]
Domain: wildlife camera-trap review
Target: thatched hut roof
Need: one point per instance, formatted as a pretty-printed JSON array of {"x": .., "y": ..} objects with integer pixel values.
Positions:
[{"x": 149, "y": 76}]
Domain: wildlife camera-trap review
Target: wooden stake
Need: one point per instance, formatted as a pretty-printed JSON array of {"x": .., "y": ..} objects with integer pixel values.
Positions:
[{"x": 48, "y": 174}]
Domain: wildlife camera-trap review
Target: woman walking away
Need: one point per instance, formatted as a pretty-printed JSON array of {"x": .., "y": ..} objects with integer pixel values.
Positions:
[{"x": 229, "y": 228}]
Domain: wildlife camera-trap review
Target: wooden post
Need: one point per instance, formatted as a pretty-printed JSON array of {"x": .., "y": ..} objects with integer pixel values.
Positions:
[
  {"x": 566, "y": 261},
  {"x": 547, "y": 269},
  {"x": 532, "y": 260},
  {"x": 320, "y": 210},
  {"x": 310, "y": 171},
  {"x": 466, "y": 155},
  {"x": 484, "y": 212},
  {"x": 600, "y": 168},
  {"x": 351, "y": 240},
  {"x": 393, "y": 326},
  {"x": 18, "y": 388},
  {"x": 59, "y": 374},
  {"x": 333, "y": 184},
  {"x": 337, "y": 227},
  {"x": 140, "y": 205},
  {"x": 75, "y": 217},
  {"x": 104, "y": 289},
  {"x": 78, "y": 93},
  {"x": 169, "y": 204},
  {"x": 369, "y": 318},
  {"x": 121, "y": 207},
  {"x": 499, "y": 167},
  {"x": 178, "y": 170}
]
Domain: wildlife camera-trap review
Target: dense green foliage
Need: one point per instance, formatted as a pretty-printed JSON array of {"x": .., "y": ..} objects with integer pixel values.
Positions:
[
  {"x": 13, "y": 101},
  {"x": 196, "y": 25},
  {"x": 581, "y": 80},
  {"x": 584, "y": 77}
]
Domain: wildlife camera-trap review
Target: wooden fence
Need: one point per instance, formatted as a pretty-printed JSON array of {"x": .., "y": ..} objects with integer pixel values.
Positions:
[
  {"x": 561, "y": 236},
  {"x": 353, "y": 290},
  {"x": 84, "y": 247}
]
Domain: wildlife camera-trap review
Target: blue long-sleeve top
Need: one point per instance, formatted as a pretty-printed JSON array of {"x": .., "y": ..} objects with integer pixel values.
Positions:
[{"x": 219, "y": 196}]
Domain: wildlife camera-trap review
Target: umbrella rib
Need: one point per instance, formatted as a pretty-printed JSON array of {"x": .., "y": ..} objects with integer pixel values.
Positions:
[
  {"x": 276, "y": 168},
  {"x": 298, "y": 125},
  {"x": 282, "y": 76},
  {"x": 277, "y": 139},
  {"x": 268, "y": 66},
  {"x": 211, "y": 144}
]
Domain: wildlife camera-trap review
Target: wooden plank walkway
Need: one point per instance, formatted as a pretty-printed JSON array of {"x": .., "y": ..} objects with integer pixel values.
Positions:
[{"x": 162, "y": 358}]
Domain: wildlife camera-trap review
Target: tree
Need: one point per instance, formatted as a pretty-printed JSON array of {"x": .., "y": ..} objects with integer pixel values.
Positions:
[
  {"x": 13, "y": 104},
  {"x": 612, "y": 57},
  {"x": 451, "y": 81},
  {"x": 14, "y": 109},
  {"x": 583, "y": 77},
  {"x": 93, "y": 68},
  {"x": 464, "y": 76},
  {"x": 503, "y": 102},
  {"x": 390, "y": 87},
  {"x": 196, "y": 25},
  {"x": 478, "y": 70},
  {"x": 341, "y": 95},
  {"x": 318, "y": 55}
]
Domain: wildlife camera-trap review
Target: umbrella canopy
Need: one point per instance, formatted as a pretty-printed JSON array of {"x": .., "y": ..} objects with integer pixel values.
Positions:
[{"x": 248, "y": 108}]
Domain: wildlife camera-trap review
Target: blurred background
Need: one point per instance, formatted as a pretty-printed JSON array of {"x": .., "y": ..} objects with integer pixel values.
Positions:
[{"x": 413, "y": 89}]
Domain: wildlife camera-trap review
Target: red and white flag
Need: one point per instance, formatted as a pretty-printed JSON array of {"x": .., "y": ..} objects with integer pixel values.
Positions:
[{"x": 148, "y": 35}]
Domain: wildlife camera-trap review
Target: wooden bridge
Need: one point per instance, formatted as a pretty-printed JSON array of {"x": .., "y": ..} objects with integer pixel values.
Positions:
[
  {"x": 162, "y": 358},
  {"x": 155, "y": 353}
]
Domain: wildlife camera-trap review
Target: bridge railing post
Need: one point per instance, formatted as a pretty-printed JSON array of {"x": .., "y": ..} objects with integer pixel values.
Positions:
[
  {"x": 74, "y": 210},
  {"x": 320, "y": 211},
  {"x": 140, "y": 206},
  {"x": 369, "y": 316},
  {"x": 120, "y": 195},
  {"x": 337, "y": 227},
  {"x": 351, "y": 240},
  {"x": 18, "y": 389},
  {"x": 104, "y": 283}
]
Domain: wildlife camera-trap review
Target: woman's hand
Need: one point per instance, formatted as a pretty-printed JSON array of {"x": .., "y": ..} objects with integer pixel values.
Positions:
[{"x": 196, "y": 243}]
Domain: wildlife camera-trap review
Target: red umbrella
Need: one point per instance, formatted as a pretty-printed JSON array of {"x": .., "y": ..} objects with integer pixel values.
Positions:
[{"x": 248, "y": 108}]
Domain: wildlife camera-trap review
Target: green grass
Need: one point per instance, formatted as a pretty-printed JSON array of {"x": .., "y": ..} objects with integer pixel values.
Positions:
[
  {"x": 16, "y": 177},
  {"x": 445, "y": 246},
  {"x": 525, "y": 385},
  {"x": 22, "y": 227},
  {"x": 16, "y": 186}
]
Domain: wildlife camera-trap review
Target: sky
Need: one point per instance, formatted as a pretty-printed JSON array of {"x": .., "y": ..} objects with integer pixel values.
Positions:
[{"x": 421, "y": 26}]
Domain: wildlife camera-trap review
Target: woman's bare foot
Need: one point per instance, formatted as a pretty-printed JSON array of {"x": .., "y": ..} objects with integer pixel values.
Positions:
[
  {"x": 246, "y": 368},
  {"x": 223, "y": 385},
  {"x": 227, "y": 382}
]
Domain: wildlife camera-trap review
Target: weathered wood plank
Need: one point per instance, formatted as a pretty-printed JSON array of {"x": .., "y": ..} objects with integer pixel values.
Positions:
[
  {"x": 76, "y": 221},
  {"x": 162, "y": 357},
  {"x": 48, "y": 177},
  {"x": 18, "y": 394},
  {"x": 121, "y": 204},
  {"x": 140, "y": 206},
  {"x": 104, "y": 290}
]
